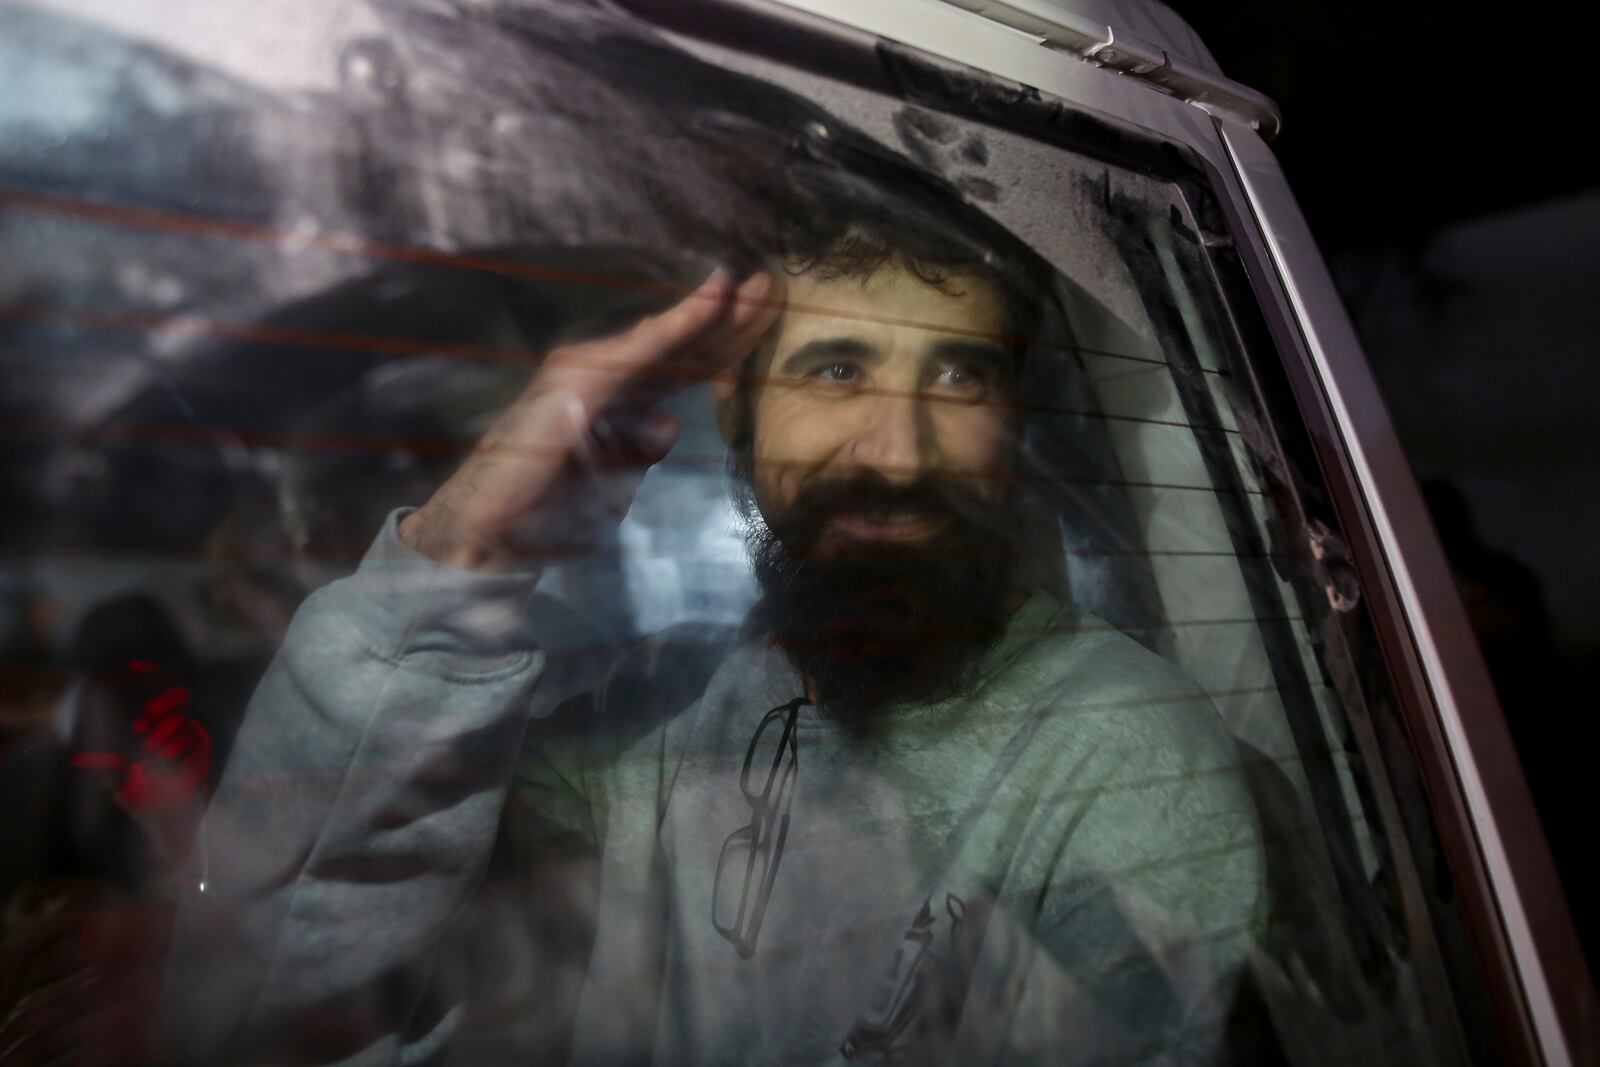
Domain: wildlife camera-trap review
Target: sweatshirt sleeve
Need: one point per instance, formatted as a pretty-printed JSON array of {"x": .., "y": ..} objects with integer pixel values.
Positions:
[{"x": 357, "y": 813}]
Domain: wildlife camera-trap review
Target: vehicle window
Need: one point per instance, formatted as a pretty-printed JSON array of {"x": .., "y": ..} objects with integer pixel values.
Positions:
[{"x": 534, "y": 540}]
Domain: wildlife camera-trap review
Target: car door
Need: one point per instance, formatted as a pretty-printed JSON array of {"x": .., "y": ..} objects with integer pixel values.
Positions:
[{"x": 272, "y": 270}]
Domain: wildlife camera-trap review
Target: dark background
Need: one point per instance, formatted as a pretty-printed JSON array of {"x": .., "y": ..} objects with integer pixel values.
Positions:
[{"x": 1441, "y": 162}]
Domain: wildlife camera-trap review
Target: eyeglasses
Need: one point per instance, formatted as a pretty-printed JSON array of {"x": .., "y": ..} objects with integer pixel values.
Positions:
[{"x": 758, "y": 847}]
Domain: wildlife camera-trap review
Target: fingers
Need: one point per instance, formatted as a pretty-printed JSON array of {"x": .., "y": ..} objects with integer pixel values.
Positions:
[
  {"x": 756, "y": 307},
  {"x": 757, "y": 304},
  {"x": 597, "y": 370},
  {"x": 680, "y": 324},
  {"x": 710, "y": 329},
  {"x": 753, "y": 308}
]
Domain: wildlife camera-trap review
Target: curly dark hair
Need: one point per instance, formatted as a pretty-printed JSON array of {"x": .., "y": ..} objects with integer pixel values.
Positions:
[
  {"x": 846, "y": 206},
  {"x": 938, "y": 243}
]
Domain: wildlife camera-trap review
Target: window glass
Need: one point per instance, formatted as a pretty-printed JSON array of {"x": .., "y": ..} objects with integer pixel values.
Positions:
[{"x": 536, "y": 541}]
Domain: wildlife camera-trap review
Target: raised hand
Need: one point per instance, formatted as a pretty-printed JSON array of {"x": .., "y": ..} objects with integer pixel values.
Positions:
[{"x": 564, "y": 460}]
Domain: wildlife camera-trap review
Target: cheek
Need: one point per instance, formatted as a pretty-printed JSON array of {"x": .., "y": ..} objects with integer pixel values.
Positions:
[
  {"x": 786, "y": 443},
  {"x": 978, "y": 443}
]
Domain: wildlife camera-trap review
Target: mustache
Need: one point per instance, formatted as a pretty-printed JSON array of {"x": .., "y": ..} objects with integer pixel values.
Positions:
[{"x": 873, "y": 495}]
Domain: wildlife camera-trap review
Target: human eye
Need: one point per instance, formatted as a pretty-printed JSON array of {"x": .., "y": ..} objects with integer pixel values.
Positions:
[
  {"x": 838, "y": 372},
  {"x": 964, "y": 380}
]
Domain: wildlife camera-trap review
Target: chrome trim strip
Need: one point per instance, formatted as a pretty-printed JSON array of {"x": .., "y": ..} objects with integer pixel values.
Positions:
[
  {"x": 1126, "y": 54},
  {"x": 954, "y": 29},
  {"x": 1370, "y": 441},
  {"x": 945, "y": 30}
]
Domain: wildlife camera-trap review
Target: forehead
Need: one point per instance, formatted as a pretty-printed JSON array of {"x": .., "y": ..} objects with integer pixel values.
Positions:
[{"x": 892, "y": 307}]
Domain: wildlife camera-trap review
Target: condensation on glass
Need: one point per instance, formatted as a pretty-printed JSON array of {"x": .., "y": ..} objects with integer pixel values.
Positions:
[{"x": 266, "y": 280}]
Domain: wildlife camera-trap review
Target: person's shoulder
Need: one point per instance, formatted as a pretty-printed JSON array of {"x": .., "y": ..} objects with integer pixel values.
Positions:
[
  {"x": 1093, "y": 687},
  {"x": 1065, "y": 651}
]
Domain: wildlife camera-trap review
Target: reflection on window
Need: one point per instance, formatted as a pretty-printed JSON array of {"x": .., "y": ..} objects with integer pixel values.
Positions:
[{"x": 903, "y": 645}]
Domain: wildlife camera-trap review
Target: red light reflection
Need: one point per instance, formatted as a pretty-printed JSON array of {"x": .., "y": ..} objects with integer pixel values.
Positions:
[{"x": 175, "y": 751}]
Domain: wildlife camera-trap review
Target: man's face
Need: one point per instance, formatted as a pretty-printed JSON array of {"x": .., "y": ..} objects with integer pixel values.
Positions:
[
  {"x": 881, "y": 456},
  {"x": 889, "y": 378}
]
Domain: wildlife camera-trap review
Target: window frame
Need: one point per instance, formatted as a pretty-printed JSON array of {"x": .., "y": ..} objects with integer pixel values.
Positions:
[
  {"x": 1455, "y": 730},
  {"x": 1446, "y": 740}
]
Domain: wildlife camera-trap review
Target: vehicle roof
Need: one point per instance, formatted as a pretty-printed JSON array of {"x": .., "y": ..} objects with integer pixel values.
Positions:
[{"x": 1154, "y": 21}]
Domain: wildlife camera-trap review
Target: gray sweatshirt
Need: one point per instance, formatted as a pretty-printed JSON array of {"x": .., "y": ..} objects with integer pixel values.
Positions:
[{"x": 1062, "y": 866}]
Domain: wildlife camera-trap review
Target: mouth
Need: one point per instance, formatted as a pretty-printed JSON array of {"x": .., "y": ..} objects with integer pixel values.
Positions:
[{"x": 889, "y": 526}]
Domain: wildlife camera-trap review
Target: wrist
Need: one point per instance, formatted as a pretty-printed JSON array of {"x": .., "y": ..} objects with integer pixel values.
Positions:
[{"x": 423, "y": 533}]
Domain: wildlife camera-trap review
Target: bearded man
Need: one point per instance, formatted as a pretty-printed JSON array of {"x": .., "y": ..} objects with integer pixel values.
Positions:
[{"x": 915, "y": 811}]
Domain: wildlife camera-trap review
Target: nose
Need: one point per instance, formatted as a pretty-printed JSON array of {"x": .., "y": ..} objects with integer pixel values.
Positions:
[{"x": 891, "y": 438}]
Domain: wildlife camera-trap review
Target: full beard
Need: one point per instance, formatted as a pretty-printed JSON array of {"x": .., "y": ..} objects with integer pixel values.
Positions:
[{"x": 872, "y": 624}]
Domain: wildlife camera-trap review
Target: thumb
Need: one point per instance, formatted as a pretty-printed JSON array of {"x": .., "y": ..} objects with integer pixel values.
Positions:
[{"x": 658, "y": 432}]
